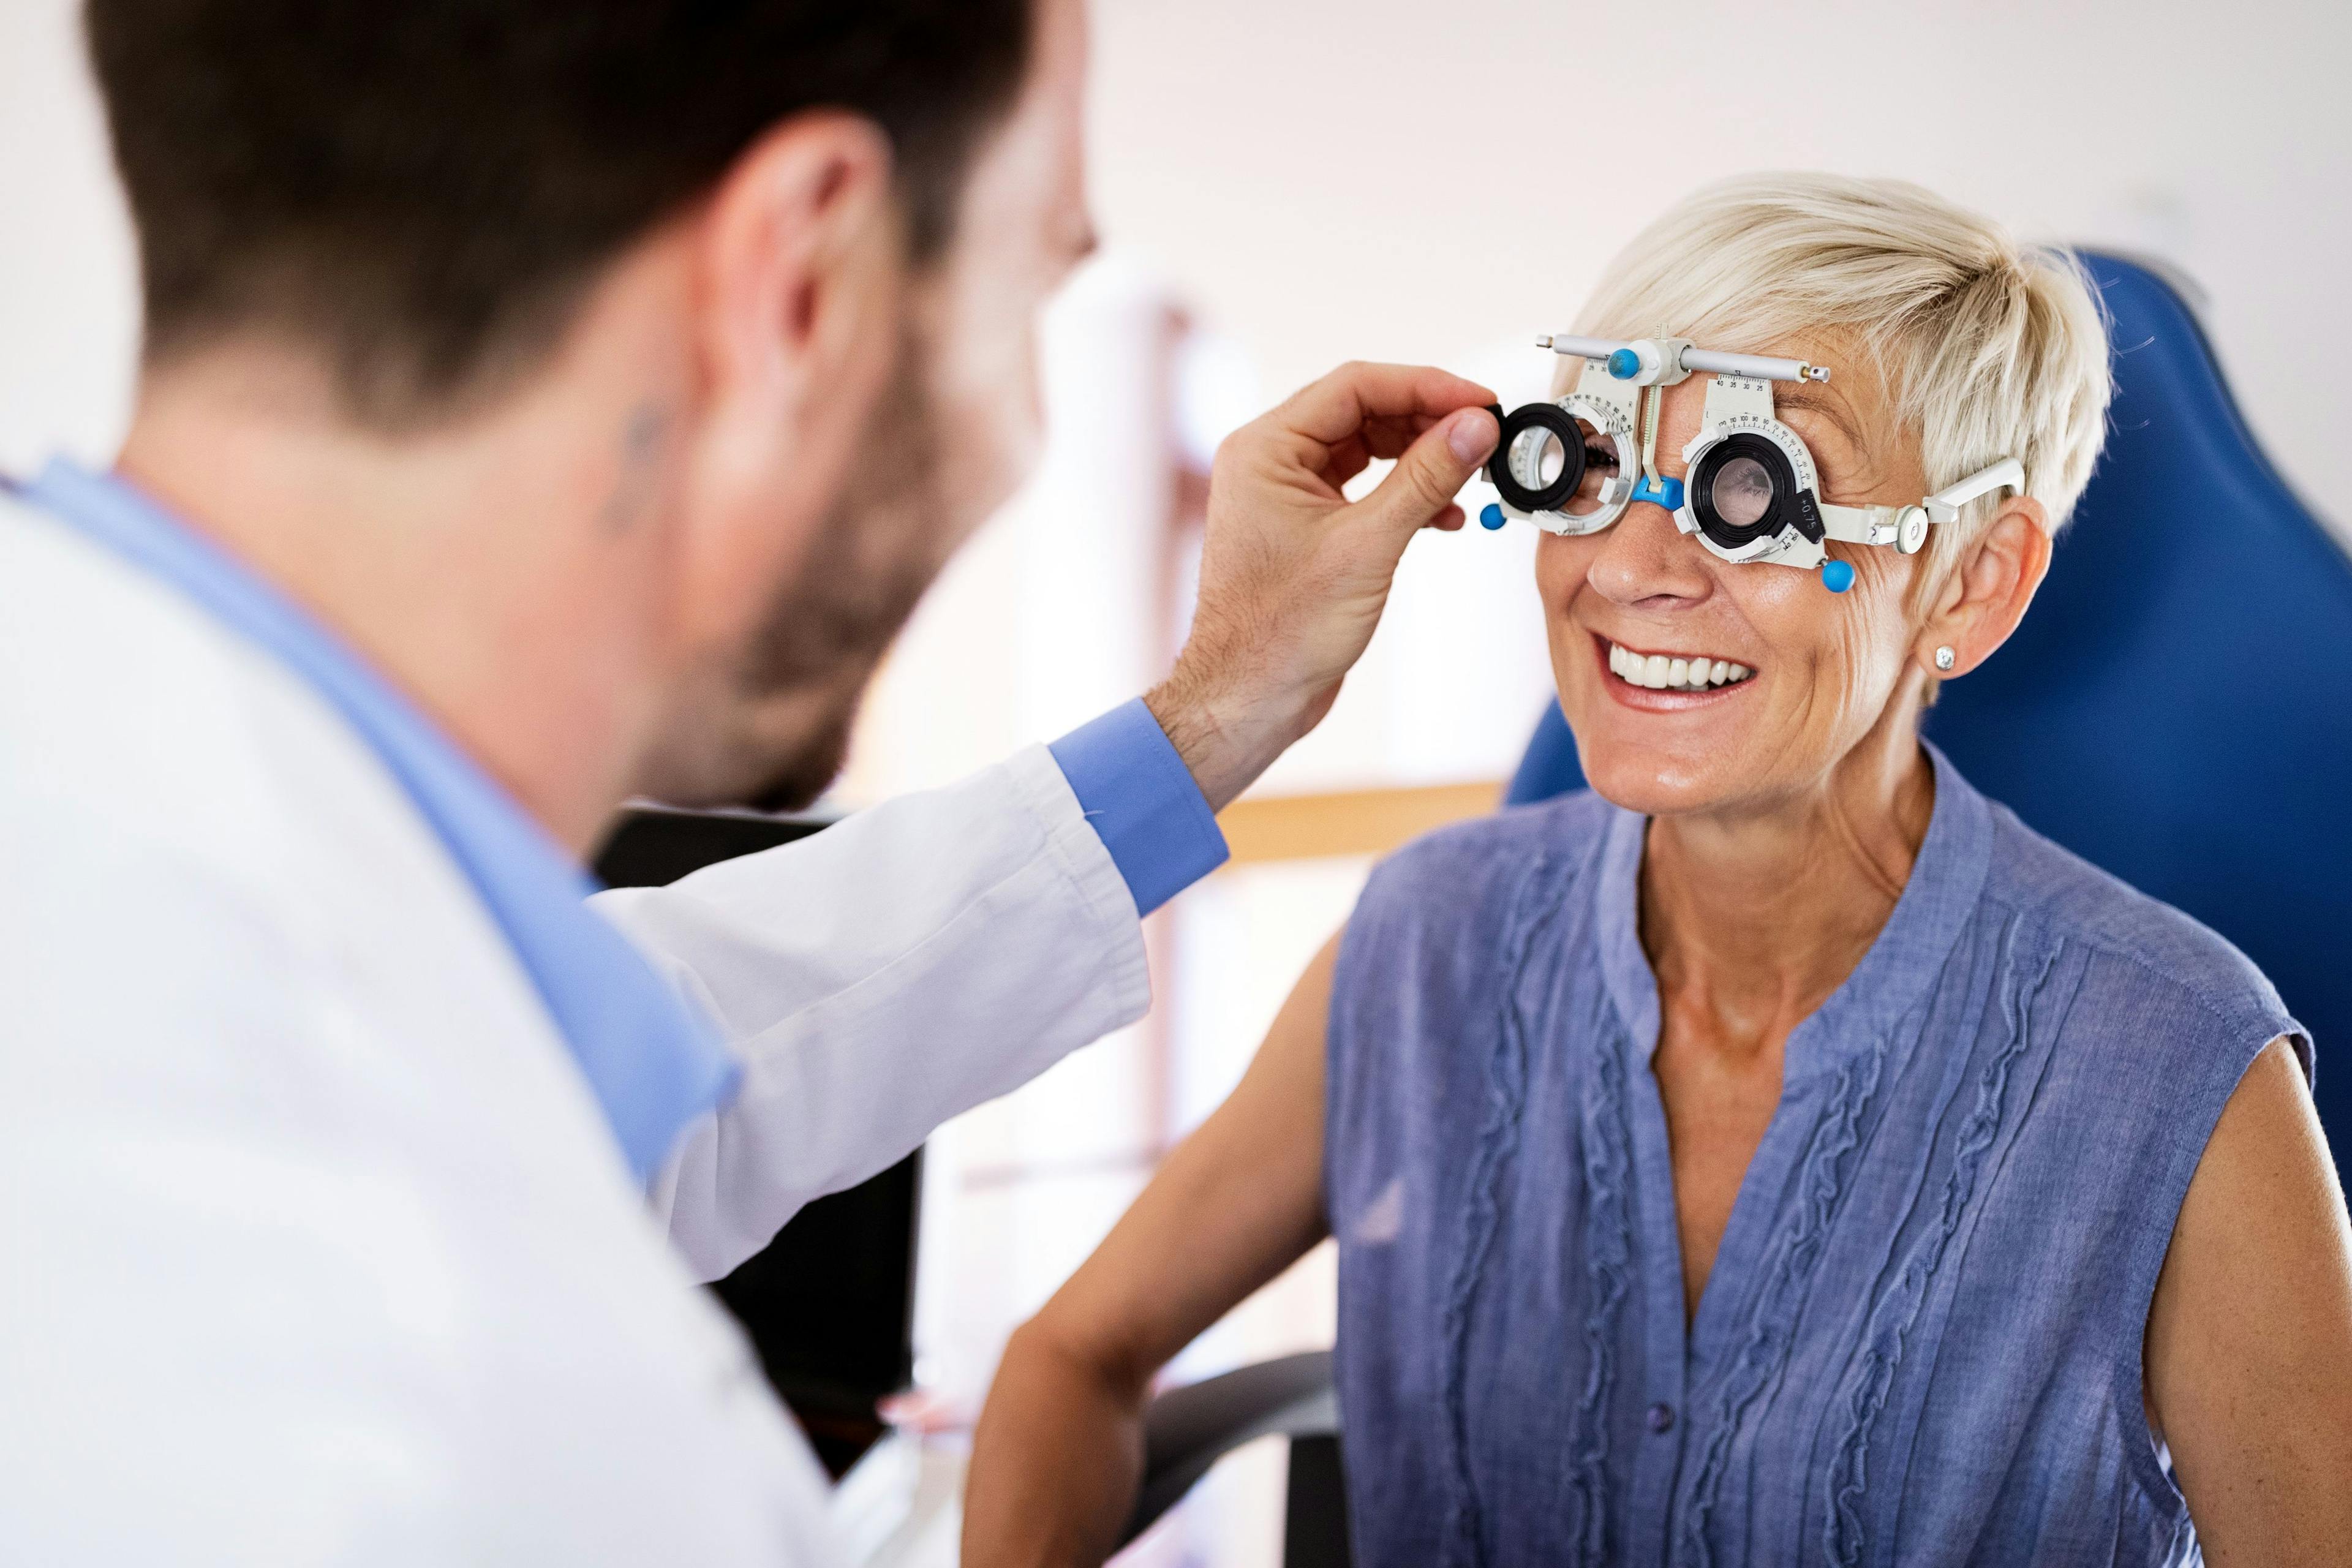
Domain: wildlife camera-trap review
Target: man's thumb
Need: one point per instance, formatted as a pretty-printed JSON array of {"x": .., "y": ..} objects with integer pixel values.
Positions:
[{"x": 1435, "y": 468}]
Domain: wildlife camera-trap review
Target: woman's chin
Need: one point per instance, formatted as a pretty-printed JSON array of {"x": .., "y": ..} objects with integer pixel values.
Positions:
[
  {"x": 1661, "y": 751},
  {"x": 1655, "y": 783}
]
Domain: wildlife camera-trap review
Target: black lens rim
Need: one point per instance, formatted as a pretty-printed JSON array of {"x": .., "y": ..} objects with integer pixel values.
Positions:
[
  {"x": 1791, "y": 505},
  {"x": 1563, "y": 424}
]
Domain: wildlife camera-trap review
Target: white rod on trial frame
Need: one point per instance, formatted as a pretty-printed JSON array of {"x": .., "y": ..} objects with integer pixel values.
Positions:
[
  {"x": 1585, "y": 348},
  {"x": 1755, "y": 367}
]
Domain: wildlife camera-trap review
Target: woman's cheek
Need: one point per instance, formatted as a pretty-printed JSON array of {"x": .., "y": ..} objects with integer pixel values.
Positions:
[
  {"x": 1559, "y": 564},
  {"x": 1869, "y": 636}
]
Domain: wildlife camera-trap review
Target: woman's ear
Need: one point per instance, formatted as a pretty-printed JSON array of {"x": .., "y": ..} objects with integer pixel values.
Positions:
[{"x": 1989, "y": 590}]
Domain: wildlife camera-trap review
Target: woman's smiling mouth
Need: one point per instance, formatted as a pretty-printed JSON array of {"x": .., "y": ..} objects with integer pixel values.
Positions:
[{"x": 1655, "y": 680}]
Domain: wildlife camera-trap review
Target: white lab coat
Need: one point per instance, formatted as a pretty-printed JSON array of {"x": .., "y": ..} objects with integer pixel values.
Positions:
[{"x": 314, "y": 1246}]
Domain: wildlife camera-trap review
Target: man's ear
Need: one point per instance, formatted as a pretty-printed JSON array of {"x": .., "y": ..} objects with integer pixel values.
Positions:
[
  {"x": 1989, "y": 590},
  {"x": 798, "y": 292}
]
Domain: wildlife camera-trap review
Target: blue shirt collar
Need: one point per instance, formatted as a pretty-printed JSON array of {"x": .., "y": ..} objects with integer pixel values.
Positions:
[{"x": 652, "y": 1064}]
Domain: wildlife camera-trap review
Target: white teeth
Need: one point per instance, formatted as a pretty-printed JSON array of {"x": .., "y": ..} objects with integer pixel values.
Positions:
[{"x": 1666, "y": 672}]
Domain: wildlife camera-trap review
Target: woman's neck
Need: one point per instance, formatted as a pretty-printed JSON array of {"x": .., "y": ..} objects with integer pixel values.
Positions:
[{"x": 1753, "y": 918}]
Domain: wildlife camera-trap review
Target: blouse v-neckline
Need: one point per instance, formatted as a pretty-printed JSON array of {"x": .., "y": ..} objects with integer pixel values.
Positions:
[{"x": 1946, "y": 882}]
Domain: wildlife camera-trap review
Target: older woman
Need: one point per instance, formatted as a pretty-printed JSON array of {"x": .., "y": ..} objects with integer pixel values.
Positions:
[{"x": 1777, "y": 1153}]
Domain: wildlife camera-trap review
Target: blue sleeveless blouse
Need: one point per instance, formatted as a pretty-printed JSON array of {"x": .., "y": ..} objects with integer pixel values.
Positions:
[{"x": 1920, "y": 1343}]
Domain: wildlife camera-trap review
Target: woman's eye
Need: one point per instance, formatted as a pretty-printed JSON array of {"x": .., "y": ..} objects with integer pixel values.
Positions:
[{"x": 1600, "y": 456}]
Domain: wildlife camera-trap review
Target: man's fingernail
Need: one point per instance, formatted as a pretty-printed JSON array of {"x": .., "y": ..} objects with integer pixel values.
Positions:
[{"x": 1472, "y": 435}]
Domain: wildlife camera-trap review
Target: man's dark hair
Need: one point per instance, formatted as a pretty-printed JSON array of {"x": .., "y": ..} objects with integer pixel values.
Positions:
[{"x": 421, "y": 190}]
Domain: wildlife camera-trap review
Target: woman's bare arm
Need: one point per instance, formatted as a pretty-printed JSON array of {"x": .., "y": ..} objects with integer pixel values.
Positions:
[
  {"x": 1059, "y": 1451},
  {"x": 2248, "y": 1351}
]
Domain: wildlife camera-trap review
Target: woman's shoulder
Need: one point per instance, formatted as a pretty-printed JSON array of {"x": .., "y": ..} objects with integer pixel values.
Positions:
[
  {"x": 2140, "y": 945},
  {"x": 1426, "y": 953},
  {"x": 1483, "y": 858},
  {"x": 1464, "y": 887}
]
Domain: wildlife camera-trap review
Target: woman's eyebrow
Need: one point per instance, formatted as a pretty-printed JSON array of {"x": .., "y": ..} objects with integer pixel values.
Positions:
[{"x": 1828, "y": 405}]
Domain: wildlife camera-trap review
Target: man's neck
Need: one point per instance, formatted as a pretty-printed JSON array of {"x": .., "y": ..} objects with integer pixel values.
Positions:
[
  {"x": 466, "y": 565},
  {"x": 1760, "y": 915}
]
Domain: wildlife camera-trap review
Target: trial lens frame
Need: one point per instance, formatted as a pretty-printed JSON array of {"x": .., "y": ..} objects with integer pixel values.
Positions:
[{"x": 1752, "y": 492}]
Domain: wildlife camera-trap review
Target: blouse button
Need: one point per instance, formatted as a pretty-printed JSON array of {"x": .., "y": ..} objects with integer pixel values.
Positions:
[{"x": 1662, "y": 1418}]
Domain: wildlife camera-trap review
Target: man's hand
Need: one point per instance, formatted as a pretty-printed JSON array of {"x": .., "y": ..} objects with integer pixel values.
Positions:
[{"x": 1292, "y": 576}]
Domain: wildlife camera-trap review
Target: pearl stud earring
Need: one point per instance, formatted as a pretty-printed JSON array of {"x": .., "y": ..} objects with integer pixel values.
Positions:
[{"x": 1946, "y": 659}]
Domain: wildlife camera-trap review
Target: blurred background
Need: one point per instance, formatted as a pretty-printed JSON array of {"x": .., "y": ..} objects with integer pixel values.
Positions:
[{"x": 1282, "y": 186}]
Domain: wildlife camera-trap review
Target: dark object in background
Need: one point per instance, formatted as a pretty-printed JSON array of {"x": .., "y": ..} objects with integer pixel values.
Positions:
[
  {"x": 653, "y": 845},
  {"x": 830, "y": 1307},
  {"x": 2125, "y": 719},
  {"x": 829, "y": 1304}
]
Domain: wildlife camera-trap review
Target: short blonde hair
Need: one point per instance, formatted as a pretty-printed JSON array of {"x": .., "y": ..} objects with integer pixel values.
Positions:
[{"x": 1991, "y": 349}]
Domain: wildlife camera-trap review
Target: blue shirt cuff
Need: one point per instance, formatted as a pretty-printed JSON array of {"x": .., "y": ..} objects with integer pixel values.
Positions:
[{"x": 1141, "y": 798}]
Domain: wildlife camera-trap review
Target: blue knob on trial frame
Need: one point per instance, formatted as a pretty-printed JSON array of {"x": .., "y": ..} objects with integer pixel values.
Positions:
[
  {"x": 1625, "y": 364},
  {"x": 1837, "y": 576},
  {"x": 1491, "y": 517}
]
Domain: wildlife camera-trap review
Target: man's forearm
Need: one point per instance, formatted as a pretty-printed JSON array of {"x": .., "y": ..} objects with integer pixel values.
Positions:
[{"x": 1225, "y": 741}]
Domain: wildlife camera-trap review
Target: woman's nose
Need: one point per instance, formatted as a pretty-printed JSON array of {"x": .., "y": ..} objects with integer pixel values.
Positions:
[{"x": 1644, "y": 560}]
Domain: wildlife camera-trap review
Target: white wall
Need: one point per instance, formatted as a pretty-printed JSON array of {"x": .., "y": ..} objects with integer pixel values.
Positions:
[
  {"x": 1326, "y": 179},
  {"x": 68, "y": 310},
  {"x": 1393, "y": 178},
  {"x": 1337, "y": 178}
]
